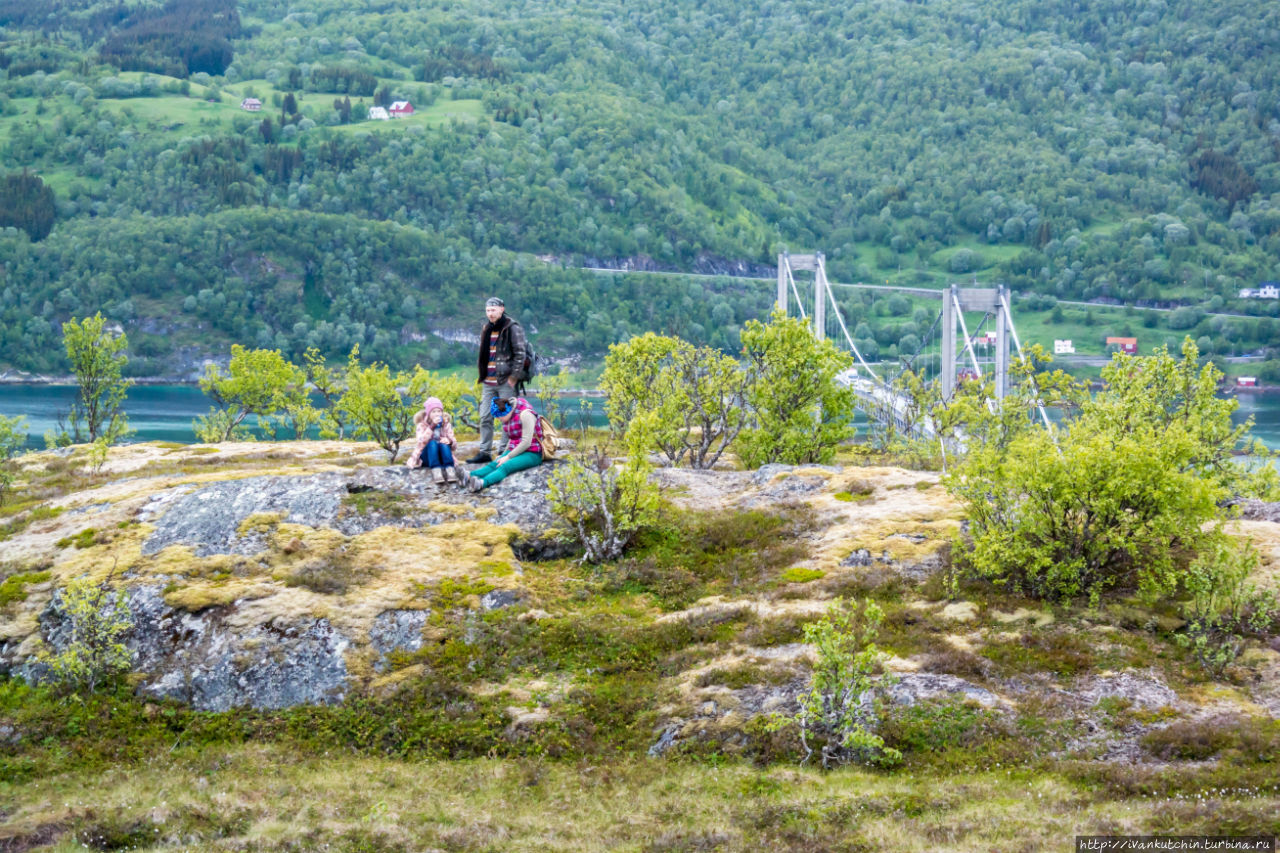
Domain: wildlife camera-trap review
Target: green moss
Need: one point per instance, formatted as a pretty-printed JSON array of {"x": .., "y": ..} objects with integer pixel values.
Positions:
[
  {"x": 453, "y": 593},
  {"x": 14, "y": 587},
  {"x": 497, "y": 568},
  {"x": 799, "y": 574},
  {"x": 86, "y": 538}
]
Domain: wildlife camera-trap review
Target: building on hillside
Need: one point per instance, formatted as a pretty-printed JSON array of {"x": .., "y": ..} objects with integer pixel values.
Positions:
[
  {"x": 1246, "y": 381},
  {"x": 985, "y": 340},
  {"x": 1063, "y": 348},
  {"x": 378, "y": 114},
  {"x": 401, "y": 109},
  {"x": 1128, "y": 346},
  {"x": 253, "y": 105},
  {"x": 1266, "y": 290}
]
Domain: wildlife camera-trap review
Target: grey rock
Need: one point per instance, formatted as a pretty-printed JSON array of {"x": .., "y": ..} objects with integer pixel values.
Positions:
[
  {"x": 499, "y": 598},
  {"x": 863, "y": 557},
  {"x": 1143, "y": 690},
  {"x": 198, "y": 659},
  {"x": 397, "y": 630},
  {"x": 208, "y": 519},
  {"x": 665, "y": 741},
  {"x": 915, "y": 687},
  {"x": 765, "y": 473},
  {"x": 1252, "y": 509}
]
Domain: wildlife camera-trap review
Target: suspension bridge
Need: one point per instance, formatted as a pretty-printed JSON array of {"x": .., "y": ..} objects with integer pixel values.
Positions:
[{"x": 956, "y": 357}]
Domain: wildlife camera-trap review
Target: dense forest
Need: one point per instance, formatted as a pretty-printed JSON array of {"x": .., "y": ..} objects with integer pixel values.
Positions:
[{"x": 1075, "y": 150}]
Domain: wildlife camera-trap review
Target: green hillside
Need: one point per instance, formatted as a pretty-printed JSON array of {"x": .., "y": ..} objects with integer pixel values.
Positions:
[{"x": 1072, "y": 150}]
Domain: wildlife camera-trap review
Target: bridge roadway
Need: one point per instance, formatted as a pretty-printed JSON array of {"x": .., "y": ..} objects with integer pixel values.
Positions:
[{"x": 881, "y": 402}]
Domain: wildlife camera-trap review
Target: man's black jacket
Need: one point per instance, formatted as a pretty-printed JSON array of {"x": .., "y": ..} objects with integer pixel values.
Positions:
[{"x": 509, "y": 357}]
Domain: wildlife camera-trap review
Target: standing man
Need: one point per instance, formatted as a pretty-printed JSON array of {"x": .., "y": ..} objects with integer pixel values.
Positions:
[{"x": 501, "y": 362}]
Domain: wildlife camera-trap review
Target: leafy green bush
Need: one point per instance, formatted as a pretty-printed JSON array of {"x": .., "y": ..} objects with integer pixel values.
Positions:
[
  {"x": 1225, "y": 607},
  {"x": 1124, "y": 496},
  {"x": 97, "y": 616},
  {"x": 257, "y": 382},
  {"x": 607, "y": 504},
  {"x": 381, "y": 404},
  {"x": 13, "y": 437}
]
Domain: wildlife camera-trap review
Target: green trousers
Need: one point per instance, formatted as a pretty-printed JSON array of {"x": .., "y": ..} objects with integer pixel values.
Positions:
[{"x": 496, "y": 472}]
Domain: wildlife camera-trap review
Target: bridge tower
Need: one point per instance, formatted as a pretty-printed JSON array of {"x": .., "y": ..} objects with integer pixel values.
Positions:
[
  {"x": 788, "y": 264},
  {"x": 993, "y": 301}
]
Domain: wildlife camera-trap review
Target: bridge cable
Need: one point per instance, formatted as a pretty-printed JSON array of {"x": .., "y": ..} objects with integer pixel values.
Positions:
[
  {"x": 845, "y": 329},
  {"x": 1044, "y": 416},
  {"x": 968, "y": 344},
  {"x": 796, "y": 291}
]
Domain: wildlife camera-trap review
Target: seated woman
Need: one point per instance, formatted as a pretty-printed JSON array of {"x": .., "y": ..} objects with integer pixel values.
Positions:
[
  {"x": 435, "y": 442},
  {"x": 524, "y": 443}
]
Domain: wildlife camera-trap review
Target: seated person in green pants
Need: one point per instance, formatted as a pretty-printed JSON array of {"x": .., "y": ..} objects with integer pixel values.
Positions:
[{"x": 524, "y": 444}]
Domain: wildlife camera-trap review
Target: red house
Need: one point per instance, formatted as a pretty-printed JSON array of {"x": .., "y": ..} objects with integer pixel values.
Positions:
[
  {"x": 400, "y": 109},
  {"x": 1246, "y": 381},
  {"x": 1128, "y": 346}
]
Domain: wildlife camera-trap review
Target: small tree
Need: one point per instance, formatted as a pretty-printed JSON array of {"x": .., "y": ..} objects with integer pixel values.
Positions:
[
  {"x": 381, "y": 404},
  {"x": 801, "y": 411},
  {"x": 97, "y": 358},
  {"x": 607, "y": 503},
  {"x": 97, "y": 616},
  {"x": 837, "y": 712},
  {"x": 329, "y": 383},
  {"x": 696, "y": 395},
  {"x": 257, "y": 382},
  {"x": 13, "y": 437}
]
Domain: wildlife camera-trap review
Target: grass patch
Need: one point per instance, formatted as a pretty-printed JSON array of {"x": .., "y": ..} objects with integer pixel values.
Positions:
[
  {"x": 377, "y": 503},
  {"x": 1234, "y": 739},
  {"x": 1061, "y": 653},
  {"x": 716, "y": 553}
]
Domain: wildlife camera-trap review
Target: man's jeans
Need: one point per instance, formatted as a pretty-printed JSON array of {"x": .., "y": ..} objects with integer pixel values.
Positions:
[{"x": 501, "y": 392}]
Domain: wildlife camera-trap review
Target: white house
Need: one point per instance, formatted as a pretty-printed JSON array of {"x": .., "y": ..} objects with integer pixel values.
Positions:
[
  {"x": 378, "y": 114},
  {"x": 1063, "y": 348},
  {"x": 1268, "y": 290},
  {"x": 253, "y": 105}
]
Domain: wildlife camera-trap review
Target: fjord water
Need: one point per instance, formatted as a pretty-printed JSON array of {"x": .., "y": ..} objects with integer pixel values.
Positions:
[{"x": 165, "y": 412}]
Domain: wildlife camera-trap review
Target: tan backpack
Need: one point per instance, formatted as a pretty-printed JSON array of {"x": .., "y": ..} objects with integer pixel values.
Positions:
[{"x": 550, "y": 439}]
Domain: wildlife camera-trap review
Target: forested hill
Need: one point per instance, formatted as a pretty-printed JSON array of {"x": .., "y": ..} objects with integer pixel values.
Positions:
[{"x": 1075, "y": 149}]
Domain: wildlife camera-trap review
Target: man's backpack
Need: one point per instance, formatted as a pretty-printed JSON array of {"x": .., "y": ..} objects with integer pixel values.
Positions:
[
  {"x": 530, "y": 366},
  {"x": 550, "y": 439}
]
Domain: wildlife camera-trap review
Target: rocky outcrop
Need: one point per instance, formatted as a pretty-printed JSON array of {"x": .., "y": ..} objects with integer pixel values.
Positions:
[
  {"x": 210, "y": 519},
  {"x": 276, "y": 590}
]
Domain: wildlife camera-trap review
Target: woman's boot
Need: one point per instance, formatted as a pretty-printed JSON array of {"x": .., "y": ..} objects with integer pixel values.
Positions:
[
  {"x": 450, "y": 476},
  {"x": 437, "y": 475}
]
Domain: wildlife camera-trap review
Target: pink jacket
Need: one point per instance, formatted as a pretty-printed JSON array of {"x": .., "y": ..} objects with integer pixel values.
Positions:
[{"x": 425, "y": 431}]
